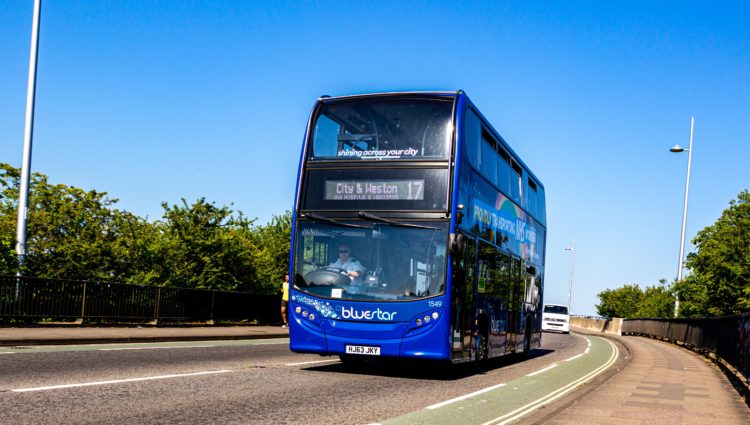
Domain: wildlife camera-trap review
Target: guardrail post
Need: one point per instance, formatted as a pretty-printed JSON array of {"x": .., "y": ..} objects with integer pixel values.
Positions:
[
  {"x": 83, "y": 304},
  {"x": 16, "y": 307},
  {"x": 156, "y": 306},
  {"x": 211, "y": 317}
]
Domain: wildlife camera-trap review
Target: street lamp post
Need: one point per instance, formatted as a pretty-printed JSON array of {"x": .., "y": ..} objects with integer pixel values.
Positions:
[
  {"x": 28, "y": 135},
  {"x": 572, "y": 250},
  {"x": 678, "y": 149}
]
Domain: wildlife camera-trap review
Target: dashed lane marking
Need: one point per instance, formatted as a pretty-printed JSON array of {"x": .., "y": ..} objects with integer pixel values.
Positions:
[
  {"x": 552, "y": 366},
  {"x": 118, "y": 381},
  {"x": 574, "y": 357},
  {"x": 313, "y": 362},
  {"x": 169, "y": 344},
  {"x": 155, "y": 348},
  {"x": 464, "y": 397}
]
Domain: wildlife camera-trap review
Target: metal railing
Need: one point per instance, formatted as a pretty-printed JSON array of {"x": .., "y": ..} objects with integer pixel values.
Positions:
[
  {"x": 30, "y": 298},
  {"x": 725, "y": 338}
]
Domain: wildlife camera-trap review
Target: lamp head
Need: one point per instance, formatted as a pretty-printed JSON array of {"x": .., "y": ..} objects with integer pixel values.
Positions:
[{"x": 677, "y": 149}]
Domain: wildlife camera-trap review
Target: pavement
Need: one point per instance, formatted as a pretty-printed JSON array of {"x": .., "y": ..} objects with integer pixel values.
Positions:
[
  {"x": 81, "y": 334},
  {"x": 660, "y": 384}
]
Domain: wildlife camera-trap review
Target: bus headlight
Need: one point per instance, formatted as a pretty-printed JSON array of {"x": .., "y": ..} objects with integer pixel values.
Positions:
[
  {"x": 422, "y": 323},
  {"x": 298, "y": 309},
  {"x": 311, "y": 316}
]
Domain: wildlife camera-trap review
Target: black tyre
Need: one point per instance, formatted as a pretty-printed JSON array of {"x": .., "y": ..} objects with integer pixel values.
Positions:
[{"x": 527, "y": 338}]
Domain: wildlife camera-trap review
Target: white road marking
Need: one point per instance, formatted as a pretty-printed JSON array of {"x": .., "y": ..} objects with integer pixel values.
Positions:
[
  {"x": 542, "y": 370},
  {"x": 464, "y": 397},
  {"x": 554, "y": 395},
  {"x": 313, "y": 362},
  {"x": 29, "y": 349},
  {"x": 118, "y": 381},
  {"x": 154, "y": 348},
  {"x": 574, "y": 357}
]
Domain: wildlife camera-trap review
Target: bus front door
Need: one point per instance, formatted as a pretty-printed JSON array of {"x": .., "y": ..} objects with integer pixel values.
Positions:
[
  {"x": 462, "y": 301},
  {"x": 515, "y": 298}
]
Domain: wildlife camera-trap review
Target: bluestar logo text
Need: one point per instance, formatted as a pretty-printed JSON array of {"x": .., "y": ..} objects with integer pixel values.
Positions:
[{"x": 351, "y": 313}]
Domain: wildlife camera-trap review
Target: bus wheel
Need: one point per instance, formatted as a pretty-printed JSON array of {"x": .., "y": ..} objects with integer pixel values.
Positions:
[
  {"x": 482, "y": 345},
  {"x": 527, "y": 338},
  {"x": 482, "y": 337}
]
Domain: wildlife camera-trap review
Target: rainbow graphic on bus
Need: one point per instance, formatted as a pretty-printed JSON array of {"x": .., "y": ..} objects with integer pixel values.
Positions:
[{"x": 507, "y": 226}]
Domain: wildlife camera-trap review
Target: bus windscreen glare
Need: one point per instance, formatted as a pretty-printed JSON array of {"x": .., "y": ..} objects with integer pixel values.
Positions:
[{"x": 417, "y": 233}]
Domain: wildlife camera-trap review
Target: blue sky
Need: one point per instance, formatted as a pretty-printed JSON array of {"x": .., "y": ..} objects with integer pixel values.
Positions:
[{"x": 155, "y": 101}]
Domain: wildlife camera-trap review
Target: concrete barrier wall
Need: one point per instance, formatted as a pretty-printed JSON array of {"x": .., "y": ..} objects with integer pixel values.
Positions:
[{"x": 607, "y": 326}]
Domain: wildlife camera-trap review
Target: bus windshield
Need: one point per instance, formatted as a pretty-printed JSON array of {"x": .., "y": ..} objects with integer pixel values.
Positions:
[
  {"x": 374, "y": 261},
  {"x": 383, "y": 129}
]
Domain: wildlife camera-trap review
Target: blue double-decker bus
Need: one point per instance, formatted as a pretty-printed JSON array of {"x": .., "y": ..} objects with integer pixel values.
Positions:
[{"x": 417, "y": 233}]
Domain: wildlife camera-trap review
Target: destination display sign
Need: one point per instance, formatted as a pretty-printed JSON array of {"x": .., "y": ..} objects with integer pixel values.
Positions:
[{"x": 374, "y": 190}]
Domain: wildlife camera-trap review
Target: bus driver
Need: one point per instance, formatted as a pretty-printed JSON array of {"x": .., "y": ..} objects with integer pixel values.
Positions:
[{"x": 354, "y": 268}]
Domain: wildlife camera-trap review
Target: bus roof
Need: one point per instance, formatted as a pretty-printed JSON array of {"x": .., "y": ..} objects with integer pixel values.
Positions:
[
  {"x": 326, "y": 98},
  {"x": 438, "y": 93},
  {"x": 506, "y": 144}
]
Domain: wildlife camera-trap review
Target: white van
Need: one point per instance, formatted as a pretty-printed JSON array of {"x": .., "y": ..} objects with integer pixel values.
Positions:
[{"x": 555, "y": 317}]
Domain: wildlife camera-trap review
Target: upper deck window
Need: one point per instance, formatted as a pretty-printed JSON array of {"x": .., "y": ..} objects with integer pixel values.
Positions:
[{"x": 379, "y": 128}]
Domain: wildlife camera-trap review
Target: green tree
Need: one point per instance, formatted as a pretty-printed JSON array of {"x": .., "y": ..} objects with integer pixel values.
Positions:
[
  {"x": 141, "y": 251},
  {"x": 272, "y": 260},
  {"x": 78, "y": 234},
  {"x": 630, "y": 301},
  {"x": 70, "y": 231},
  {"x": 622, "y": 302},
  {"x": 693, "y": 297},
  {"x": 9, "y": 178},
  {"x": 207, "y": 247},
  {"x": 720, "y": 280},
  {"x": 657, "y": 301},
  {"x": 8, "y": 259}
]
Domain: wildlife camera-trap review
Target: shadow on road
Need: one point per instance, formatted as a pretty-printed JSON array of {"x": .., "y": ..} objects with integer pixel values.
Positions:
[{"x": 424, "y": 369}]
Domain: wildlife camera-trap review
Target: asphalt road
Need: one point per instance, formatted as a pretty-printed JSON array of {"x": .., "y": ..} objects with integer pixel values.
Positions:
[{"x": 233, "y": 382}]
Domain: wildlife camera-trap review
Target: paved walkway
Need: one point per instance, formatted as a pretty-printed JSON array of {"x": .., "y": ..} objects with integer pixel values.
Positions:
[
  {"x": 662, "y": 384},
  {"x": 73, "y": 334}
]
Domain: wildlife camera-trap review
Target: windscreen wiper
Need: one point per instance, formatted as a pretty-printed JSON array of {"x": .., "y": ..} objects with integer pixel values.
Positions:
[
  {"x": 334, "y": 222},
  {"x": 373, "y": 217}
]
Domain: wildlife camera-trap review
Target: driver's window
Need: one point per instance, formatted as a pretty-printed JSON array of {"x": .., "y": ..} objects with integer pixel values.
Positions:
[{"x": 316, "y": 253}]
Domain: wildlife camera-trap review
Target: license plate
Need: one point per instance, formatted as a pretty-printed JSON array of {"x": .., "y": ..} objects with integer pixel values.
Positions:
[{"x": 363, "y": 349}]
